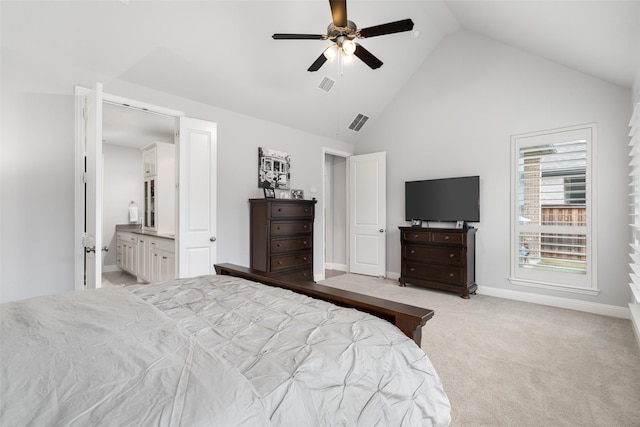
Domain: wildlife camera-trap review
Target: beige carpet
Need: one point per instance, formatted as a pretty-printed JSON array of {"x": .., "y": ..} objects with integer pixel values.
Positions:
[{"x": 509, "y": 363}]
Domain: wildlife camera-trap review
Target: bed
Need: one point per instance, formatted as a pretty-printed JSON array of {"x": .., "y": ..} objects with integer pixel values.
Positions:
[{"x": 215, "y": 350}]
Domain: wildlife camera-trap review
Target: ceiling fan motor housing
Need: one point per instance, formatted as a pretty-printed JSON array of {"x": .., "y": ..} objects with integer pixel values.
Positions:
[{"x": 349, "y": 32}]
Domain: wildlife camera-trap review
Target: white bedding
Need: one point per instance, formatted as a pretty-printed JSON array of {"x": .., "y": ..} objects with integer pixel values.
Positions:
[{"x": 213, "y": 350}]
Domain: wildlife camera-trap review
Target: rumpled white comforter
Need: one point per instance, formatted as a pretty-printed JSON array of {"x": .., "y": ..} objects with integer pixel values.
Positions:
[{"x": 215, "y": 350}]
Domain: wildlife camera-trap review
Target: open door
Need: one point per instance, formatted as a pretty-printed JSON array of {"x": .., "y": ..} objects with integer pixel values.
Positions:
[
  {"x": 368, "y": 214},
  {"x": 92, "y": 239},
  {"x": 196, "y": 197}
]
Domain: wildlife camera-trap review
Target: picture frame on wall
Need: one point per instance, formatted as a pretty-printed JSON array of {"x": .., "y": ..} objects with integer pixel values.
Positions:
[
  {"x": 269, "y": 193},
  {"x": 297, "y": 194},
  {"x": 274, "y": 169}
]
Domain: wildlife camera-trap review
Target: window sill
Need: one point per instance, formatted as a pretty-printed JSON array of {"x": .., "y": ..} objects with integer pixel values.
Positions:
[{"x": 554, "y": 286}]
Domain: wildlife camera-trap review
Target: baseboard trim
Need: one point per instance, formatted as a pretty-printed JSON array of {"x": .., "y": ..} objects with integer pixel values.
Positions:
[
  {"x": 333, "y": 266},
  {"x": 571, "y": 304},
  {"x": 634, "y": 310},
  {"x": 393, "y": 275},
  {"x": 110, "y": 268}
]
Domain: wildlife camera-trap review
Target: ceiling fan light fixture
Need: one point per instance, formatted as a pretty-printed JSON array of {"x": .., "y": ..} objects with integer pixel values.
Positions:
[
  {"x": 348, "y": 47},
  {"x": 347, "y": 59},
  {"x": 331, "y": 52}
]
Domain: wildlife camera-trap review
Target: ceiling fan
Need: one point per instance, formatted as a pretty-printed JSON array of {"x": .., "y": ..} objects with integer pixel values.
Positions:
[{"x": 342, "y": 32}]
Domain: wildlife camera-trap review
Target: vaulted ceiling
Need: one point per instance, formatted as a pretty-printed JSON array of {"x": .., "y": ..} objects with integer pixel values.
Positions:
[{"x": 221, "y": 52}]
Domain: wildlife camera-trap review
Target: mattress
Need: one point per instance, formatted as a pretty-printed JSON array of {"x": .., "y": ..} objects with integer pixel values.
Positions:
[{"x": 213, "y": 350}]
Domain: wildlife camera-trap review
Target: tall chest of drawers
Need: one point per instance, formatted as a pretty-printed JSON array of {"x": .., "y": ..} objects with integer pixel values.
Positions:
[
  {"x": 439, "y": 258},
  {"x": 282, "y": 237}
]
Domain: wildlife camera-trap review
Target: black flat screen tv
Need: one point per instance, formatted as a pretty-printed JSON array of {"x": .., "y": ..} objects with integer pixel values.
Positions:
[{"x": 445, "y": 200}]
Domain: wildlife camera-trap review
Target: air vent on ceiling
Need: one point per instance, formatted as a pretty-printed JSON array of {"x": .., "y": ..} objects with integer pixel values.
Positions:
[
  {"x": 358, "y": 122},
  {"x": 326, "y": 84}
]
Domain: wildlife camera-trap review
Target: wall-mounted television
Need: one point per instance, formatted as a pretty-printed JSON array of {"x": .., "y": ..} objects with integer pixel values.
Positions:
[{"x": 445, "y": 200}]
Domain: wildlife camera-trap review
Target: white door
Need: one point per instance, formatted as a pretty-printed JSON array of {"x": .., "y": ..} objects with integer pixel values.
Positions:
[
  {"x": 368, "y": 214},
  {"x": 196, "y": 197},
  {"x": 93, "y": 151}
]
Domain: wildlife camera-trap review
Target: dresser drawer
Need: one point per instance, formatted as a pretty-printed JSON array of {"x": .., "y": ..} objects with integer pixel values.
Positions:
[
  {"x": 436, "y": 254},
  {"x": 437, "y": 273},
  {"x": 281, "y": 228},
  {"x": 283, "y": 262},
  {"x": 304, "y": 275},
  {"x": 285, "y": 210},
  {"x": 290, "y": 244},
  {"x": 416, "y": 236},
  {"x": 448, "y": 238}
]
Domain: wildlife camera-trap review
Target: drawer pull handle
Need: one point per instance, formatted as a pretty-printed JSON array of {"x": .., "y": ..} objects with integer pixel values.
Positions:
[
  {"x": 278, "y": 245},
  {"x": 450, "y": 274},
  {"x": 305, "y": 227},
  {"x": 306, "y": 210},
  {"x": 451, "y": 255},
  {"x": 415, "y": 236},
  {"x": 304, "y": 258},
  {"x": 412, "y": 269},
  {"x": 279, "y": 262},
  {"x": 446, "y": 237},
  {"x": 279, "y": 209},
  {"x": 304, "y": 242},
  {"x": 412, "y": 251}
]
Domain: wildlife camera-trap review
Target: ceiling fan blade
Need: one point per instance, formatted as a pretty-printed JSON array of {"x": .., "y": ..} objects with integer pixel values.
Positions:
[
  {"x": 389, "y": 28},
  {"x": 367, "y": 57},
  {"x": 318, "y": 63},
  {"x": 339, "y": 12},
  {"x": 279, "y": 36}
]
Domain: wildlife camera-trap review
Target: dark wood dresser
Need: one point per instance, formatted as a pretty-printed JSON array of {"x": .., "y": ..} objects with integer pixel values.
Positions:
[
  {"x": 439, "y": 258},
  {"x": 282, "y": 237}
]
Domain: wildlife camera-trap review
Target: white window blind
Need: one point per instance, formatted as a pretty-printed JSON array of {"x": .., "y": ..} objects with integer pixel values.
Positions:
[
  {"x": 551, "y": 220},
  {"x": 634, "y": 155}
]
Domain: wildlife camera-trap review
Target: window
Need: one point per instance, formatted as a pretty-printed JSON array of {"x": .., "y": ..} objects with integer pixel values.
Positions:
[
  {"x": 634, "y": 155},
  {"x": 552, "y": 245}
]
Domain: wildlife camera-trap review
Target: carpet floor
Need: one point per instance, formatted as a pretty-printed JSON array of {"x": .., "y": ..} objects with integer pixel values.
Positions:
[{"x": 511, "y": 363}]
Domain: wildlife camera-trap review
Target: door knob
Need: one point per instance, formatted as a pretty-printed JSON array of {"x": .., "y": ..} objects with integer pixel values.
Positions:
[
  {"x": 212, "y": 239},
  {"x": 90, "y": 249},
  {"x": 381, "y": 230}
]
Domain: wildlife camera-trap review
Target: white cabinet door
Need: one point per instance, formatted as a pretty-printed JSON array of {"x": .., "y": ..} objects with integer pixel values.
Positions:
[
  {"x": 149, "y": 161},
  {"x": 119, "y": 259},
  {"x": 144, "y": 258},
  {"x": 127, "y": 245},
  {"x": 166, "y": 265}
]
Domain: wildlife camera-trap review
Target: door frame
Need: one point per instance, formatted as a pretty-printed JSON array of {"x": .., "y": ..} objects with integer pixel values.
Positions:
[
  {"x": 80, "y": 94},
  {"x": 345, "y": 155}
]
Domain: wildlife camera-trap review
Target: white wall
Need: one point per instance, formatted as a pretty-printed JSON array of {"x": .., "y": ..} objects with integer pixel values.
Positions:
[
  {"x": 636, "y": 86},
  {"x": 336, "y": 212},
  {"x": 37, "y": 170},
  {"x": 123, "y": 183},
  {"x": 455, "y": 117}
]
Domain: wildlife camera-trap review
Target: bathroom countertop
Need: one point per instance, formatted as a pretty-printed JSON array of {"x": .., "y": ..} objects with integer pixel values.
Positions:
[{"x": 135, "y": 228}]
